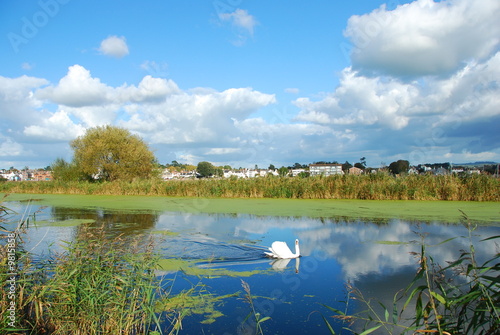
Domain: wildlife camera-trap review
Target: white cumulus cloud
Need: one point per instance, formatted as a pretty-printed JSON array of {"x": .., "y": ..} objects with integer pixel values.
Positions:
[
  {"x": 424, "y": 37},
  {"x": 78, "y": 88},
  {"x": 17, "y": 101},
  {"x": 10, "y": 148},
  {"x": 114, "y": 46},
  {"x": 361, "y": 100},
  {"x": 58, "y": 126}
]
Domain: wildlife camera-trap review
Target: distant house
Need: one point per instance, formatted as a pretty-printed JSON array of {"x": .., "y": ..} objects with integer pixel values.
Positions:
[
  {"x": 11, "y": 176},
  {"x": 41, "y": 175},
  {"x": 325, "y": 169},
  {"x": 296, "y": 172},
  {"x": 167, "y": 174},
  {"x": 441, "y": 172},
  {"x": 355, "y": 171}
]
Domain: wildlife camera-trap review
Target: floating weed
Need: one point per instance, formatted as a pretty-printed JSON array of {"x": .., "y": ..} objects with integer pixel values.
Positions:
[
  {"x": 63, "y": 223},
  {"x": 165, "y": 232},
  {"x": 190, "y": 267},
  {"x": 195, "y": 301}
]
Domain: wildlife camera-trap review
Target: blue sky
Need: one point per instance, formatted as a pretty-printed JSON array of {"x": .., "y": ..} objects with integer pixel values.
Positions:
[{"x": 244, "y": 82}]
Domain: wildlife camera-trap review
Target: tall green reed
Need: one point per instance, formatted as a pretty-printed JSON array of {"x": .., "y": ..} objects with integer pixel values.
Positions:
[
  {"x": 99, "y": 285},
  {"x": 379, "y": 186}
]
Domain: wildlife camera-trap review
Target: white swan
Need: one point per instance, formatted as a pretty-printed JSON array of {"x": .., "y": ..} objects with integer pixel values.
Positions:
[{"x": 281, "y": 250}]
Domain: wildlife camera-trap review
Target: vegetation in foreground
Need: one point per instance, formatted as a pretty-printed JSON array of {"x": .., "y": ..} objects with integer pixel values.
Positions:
[
  {"x": 100, "y": 285},
  {"x": 460, "y": 298},
  {"x": 378, "y": 186}
]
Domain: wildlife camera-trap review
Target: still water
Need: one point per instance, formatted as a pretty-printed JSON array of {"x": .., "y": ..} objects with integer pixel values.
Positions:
[{"x": 375, "y": 256}]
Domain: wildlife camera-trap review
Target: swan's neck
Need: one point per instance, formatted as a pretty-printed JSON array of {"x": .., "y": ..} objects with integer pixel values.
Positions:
[{"x": 297, "y": 250}]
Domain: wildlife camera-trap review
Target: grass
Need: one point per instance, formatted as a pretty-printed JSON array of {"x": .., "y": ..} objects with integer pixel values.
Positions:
[
  {"x": 378, "y": 186},
  {"x": 462, "y": 297}
]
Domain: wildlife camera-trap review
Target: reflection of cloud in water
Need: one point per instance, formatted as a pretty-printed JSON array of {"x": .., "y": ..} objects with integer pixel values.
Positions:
[
  {"x": 355, "y": 245},
  {"x": 282, "y": 263},
  {"x": 202, "y": 247},
  {"x": 358, "y": 247}
]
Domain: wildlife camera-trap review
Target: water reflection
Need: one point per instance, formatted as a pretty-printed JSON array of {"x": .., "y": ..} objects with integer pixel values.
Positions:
[
  {"x": 282, "y": 264},
  {"x": 114, "y": 222},
  {"x": 359, "y": 247},
  {"x": 374, "y": 255}
]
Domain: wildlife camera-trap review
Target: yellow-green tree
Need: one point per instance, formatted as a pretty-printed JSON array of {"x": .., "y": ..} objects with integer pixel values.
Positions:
[{"x": 112, "y": 153}]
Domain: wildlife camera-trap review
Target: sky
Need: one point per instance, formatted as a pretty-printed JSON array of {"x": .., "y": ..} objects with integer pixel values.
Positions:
[{"x": 245, "y": 83}]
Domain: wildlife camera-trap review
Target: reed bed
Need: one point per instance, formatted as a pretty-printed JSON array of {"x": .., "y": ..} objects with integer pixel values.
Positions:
[
  {"x": 378, "y": 186},
  {"x": 100, "y": 285}
]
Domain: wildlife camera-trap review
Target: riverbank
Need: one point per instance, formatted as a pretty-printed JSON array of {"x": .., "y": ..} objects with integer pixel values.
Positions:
[
  {"x": 364, "y": 210},
  {"x": 378, "y": 186}
]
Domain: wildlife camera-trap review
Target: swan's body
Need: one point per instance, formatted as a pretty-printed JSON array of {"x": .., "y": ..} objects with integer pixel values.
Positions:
[{"x": 281, "y": 250}]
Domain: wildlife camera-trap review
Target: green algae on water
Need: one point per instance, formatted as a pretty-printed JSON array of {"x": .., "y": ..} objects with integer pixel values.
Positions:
[
  {"x": 413, "y": 210},
  {"x": 191, "y": 267},
  {"x": 63, "y": 223}
]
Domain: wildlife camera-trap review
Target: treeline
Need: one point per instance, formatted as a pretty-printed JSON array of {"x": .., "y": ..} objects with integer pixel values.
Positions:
[{"x": 377, "y": 186}]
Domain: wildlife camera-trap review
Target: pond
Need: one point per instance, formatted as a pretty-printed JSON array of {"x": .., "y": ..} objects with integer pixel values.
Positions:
[{"x": 219, "y": 251}]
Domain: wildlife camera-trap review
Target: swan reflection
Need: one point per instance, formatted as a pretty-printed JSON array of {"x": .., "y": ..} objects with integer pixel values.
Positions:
[{"x": 281, "y": 264}]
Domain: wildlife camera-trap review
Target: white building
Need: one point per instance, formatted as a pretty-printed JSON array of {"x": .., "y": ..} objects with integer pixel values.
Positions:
[
  {"x": 11, "y": 176},
  {"x": 296, "y": 172},
  {"x": 325, "y": 169}
]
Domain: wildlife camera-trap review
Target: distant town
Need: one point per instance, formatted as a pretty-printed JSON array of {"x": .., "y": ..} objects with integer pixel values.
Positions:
[{"x": 177, "y": 170}]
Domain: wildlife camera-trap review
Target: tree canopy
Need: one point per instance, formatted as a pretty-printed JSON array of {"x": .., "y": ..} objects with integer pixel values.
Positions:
[
  {"x": 401, "y": 166},
  {"x": 205, "y": 169},
  {"x": 112, "y": 153}
]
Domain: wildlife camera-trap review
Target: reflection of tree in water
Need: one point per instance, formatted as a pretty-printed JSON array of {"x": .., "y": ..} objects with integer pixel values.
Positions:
[{"x": 114, "y": 223}]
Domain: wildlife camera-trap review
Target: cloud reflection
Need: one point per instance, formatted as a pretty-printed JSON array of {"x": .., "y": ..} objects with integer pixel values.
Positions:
[{"x": 360, "y": 248}]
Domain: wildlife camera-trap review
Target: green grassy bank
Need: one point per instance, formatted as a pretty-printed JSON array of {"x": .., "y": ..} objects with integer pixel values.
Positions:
[
  {"x": 378, "y": 186},
  {"x": 445, "y": 211}
]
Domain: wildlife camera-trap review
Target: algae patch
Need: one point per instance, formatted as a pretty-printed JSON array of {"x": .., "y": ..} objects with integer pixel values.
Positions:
[
  {"x": 192, "y": 268},
  {"x": 444, "y": 211},
  {"x": 63, "y": 223},
  {"x": 165, "y": 233},
  {"x": 193, "y": 301}
]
